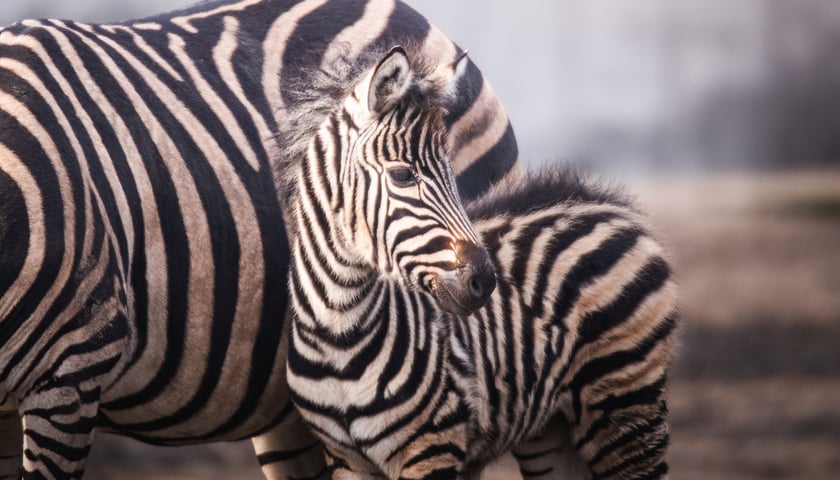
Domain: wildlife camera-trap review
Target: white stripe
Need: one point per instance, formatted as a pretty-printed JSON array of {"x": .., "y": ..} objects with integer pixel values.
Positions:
[
  {"x": 200, "y": 293},
  {"x": 35, "y": 252},
  {"x": 33, "y": 125},
  {"x": 153, "y": 248},
  {"x": 147, "y": 49},
  {"x": 223, "y": 56},
  {"x": 114, "y": 183},
  {"x": 184, "y": 21},
  {"x": 177, "y": 46},
  {"x": 365, "y": 30},
  {"x": 473, "y": 148},
  {"x": 151, "y": 26},
  {"x": 274, "y": 47}
]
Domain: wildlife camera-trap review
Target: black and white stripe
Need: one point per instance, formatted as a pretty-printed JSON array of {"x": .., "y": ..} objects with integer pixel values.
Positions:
[
  {"x": 143, "y": 257},
  {"x": 569, "y": 357},
  {"x": 565, "y": 365},
  {"x": 380, "y": 234}
]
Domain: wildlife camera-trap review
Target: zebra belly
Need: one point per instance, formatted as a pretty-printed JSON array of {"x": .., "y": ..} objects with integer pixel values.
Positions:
[
  {"x": 218, "y": 374},
  {"x": 206, "y": 358},
  {"x": 195, "y": 406}
]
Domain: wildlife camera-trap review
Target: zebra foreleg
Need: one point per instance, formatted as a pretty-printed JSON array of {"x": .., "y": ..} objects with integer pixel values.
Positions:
[
  {"x": 58, "y": 423},
  {"x": 291, "y": 450},
  {"x": 11, "y": 445},
  {"x": 340, "y": 468},
  {"x": 625, "y": 436},
  {"x": 550, "y": 455}
]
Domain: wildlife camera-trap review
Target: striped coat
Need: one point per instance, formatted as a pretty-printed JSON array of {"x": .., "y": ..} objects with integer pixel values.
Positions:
[
  {"x": 143, "y": 256},
  {"x": 565, "y": 365}
]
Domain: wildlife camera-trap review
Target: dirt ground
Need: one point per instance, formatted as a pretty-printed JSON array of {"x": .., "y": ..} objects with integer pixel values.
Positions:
[{"x": 755, "y": 391}]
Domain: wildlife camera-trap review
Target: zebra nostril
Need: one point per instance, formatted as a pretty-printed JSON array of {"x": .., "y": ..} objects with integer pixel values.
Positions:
[
  {"x": 476, "y": 289},
  {"x": 477, "y": 277}
]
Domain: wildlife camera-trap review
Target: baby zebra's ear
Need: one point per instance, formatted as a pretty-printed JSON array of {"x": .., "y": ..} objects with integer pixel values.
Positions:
[{"x": 389, "y": 81}]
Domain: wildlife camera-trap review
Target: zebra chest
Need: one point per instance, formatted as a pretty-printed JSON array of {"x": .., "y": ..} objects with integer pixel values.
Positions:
[{"x": 369, "y": 398}]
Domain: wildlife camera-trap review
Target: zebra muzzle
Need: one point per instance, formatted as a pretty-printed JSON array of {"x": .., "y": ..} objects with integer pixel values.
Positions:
[{"x": 468, "y": 287}]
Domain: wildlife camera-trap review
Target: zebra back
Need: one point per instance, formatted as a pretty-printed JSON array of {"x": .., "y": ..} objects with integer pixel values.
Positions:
[{"x": 571, "y": 353}]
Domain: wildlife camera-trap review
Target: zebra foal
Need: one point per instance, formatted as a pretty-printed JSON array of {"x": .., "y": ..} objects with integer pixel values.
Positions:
[
  {"x": 565, "y": 365},
  {"x": 143, "y": 256}
]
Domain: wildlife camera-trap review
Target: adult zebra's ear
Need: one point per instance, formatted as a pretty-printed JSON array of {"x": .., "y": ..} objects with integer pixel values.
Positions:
[
  {"x": 389, "y": 81},
  {"x": 455, "y": 72}
]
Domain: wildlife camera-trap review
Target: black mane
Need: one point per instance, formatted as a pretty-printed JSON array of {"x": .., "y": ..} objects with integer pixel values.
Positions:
[
  {"x": 318, "y": 92},
  {"x": 545, "y": 187}
]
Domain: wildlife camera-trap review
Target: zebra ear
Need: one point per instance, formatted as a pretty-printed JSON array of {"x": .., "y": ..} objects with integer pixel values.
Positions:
[
  {"x": 389, "y": 81},
  {"x": 457, "y": 70}
]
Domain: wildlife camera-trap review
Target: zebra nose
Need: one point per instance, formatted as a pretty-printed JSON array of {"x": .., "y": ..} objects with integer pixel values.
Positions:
[
  {"x": 476, "y": 288},
  {"x": 481, "y": 286},
  {"x": 479, "y": 276}
]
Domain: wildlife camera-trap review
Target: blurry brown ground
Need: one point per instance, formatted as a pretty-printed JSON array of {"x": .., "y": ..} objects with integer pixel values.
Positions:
[{"x": 755, "y": 392}]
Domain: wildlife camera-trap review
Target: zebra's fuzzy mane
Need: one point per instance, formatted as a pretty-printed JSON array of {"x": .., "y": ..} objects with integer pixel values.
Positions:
[
  {"x": 545, "y": 187},
  {"x": 318, "y": 92}
]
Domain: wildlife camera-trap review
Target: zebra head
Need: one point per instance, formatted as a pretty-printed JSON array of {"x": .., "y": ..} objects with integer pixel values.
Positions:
[{"x": 388, "y": 189}]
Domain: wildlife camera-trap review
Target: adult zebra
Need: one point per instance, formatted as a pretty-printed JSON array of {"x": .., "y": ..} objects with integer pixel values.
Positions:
[
  {"x": 142, "y": 257},
  {"x": 575, "y": 343}
]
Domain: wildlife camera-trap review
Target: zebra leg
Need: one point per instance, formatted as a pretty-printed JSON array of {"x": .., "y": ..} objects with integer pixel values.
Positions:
[
  {"x": 624, "y": 435},
  {"x": 550, "y": 455},
  {"x": 340, "y": 467},
  {"x": 11, "y": 444},
  {"x": 291, "y": 450},
  {"x": 58, "y": 421}
]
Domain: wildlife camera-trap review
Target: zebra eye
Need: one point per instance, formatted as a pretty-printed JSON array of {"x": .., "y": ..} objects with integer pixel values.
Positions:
[{"x": 402, "y": 176}]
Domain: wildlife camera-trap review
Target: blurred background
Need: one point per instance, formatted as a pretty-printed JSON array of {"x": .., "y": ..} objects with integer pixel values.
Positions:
[{"x": 723, "y": 118}]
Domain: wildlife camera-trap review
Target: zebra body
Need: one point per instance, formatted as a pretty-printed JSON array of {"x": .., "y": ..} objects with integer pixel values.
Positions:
[
  {"x": 379, "y": 223},
  {"x": 565, "y": 364},
  {"x": 143, "y": 256}
]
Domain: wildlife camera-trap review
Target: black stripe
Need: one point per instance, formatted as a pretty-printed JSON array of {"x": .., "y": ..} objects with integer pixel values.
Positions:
[
  {"x": 469, "y": 88},
  {"x": 397, "y": 359},
  {"x": 70, "y": 453},
  {"x": 522, "y": 457},
  {"x": 307, "y": 45},
  {"x": 405, "y": 27},
  {"x": 590, "y": 266},
  {"x": 535, "y": 473},
  {"x": 637, "y": 435},
  {"x": 52, "y": 467},
  {"x": 490, "y": 168},
  {"x": 171, "y": 222},
  {"x": 646, "y": 395},
  {"x": 648, "y": 461},
  {"x": 29, "y": 150},
  {"x": 599, "y": 367},
  {"x": 435, "y": 451},
  {"x": 83, "y": 268},
  {"x": 276, "y": 456},
  {"x": 647, "y": 281},
  {"x": 14, "y": 238}
]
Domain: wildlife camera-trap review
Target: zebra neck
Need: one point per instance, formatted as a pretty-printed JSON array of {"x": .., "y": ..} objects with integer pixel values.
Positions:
[
  {"x": 380, "y": 320},
  {"x": 328, "y": 290}
]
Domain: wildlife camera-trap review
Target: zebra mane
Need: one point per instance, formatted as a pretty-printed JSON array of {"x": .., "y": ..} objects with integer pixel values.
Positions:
[
  {"x": 318, "y": 91},
  {"x": 545, "y": 187}
]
